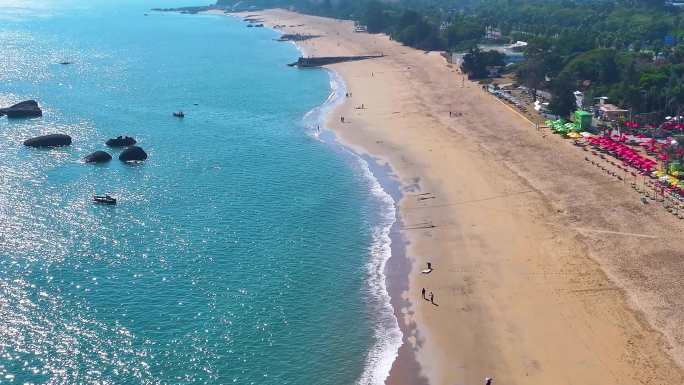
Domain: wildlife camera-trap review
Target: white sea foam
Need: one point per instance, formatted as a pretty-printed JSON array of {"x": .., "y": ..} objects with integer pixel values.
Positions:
[
  {"x": 315, "y": 119},
  {"x": 387, "y": 334},
  {"x": 301, "y": 49}
]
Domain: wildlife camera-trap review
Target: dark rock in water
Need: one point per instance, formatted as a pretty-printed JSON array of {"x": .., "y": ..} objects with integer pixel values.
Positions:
[
  {"x": 98, "y": 157},
  {"x": 52, "y": 140},
  {"x": 26, "y": 109},
  {"x": 120, "y": 141},
  {"x": 133, "y": 153}
]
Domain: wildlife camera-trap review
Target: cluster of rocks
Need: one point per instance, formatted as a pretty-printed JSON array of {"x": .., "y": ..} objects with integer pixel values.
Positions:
[
  {"x": 30, "y": 108},
  {"x": 131, "y": 153}
]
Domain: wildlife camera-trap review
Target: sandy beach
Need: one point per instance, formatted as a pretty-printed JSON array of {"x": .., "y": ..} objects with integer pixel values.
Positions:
[{"x": 547, "y": 270}]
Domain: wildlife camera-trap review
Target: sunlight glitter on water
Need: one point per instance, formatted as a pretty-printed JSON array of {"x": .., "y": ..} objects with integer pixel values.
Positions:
[{"x": 226, "y": 256}]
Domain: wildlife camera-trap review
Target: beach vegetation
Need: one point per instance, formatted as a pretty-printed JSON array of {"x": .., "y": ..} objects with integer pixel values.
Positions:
[
  {"x": 631, "y": 51},
  {"x": 477, "y": 62}
]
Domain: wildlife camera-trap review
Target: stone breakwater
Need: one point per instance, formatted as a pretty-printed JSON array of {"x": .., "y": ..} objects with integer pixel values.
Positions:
[{"x": 321, "y": 61}]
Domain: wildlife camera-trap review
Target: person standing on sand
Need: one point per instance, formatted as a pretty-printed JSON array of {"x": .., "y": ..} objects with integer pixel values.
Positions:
[
  {"x": 488, "y": 380},
  {"x": 432, "y": 298},
  {"x": 424, "y": 293}
]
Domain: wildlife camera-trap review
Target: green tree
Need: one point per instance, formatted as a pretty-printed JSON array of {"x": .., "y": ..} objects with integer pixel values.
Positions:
[
  {"x": 374, "y": 17},
  {"x": 563, "y": 101},
  {"x": 476, "y": 61},
  {"x": 532, "y": 73}
]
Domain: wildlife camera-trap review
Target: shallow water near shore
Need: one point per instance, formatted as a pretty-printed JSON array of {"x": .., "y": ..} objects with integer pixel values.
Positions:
[{"x": 245, "y": 250}]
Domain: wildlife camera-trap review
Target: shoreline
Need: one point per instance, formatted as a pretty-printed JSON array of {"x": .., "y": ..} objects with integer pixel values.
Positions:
[
  {"x": 398, "y": 266},
  {"x": 395, "y": 269},
  {"x": 530, "y": 290},
  {"x": 404, "y": 368},
  {"x": 392, "y": 288}
]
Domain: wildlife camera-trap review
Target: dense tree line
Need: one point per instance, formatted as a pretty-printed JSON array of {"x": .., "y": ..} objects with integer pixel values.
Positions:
[
  {"x": 629, "y": 50},
  {"x": 476, "y": 61}
]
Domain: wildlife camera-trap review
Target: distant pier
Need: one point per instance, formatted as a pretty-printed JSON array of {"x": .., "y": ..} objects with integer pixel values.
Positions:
[{"x": 321, "y": 61}]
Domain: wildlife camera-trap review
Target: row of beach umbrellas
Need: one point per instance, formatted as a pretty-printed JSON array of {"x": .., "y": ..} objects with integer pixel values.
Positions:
[
  {"x": 623, "y": 152},
  {"x": 669, "y": 125},
  {"x": 667, "y": 184}
]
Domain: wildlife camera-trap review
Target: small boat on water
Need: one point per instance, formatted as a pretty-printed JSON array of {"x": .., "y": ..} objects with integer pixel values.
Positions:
[
  {"x": 179, "y": 114},
  {"x": 104, "y": 199}
]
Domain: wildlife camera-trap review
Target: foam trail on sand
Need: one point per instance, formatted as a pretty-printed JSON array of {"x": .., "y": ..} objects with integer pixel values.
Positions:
[
  {"x": 387, "y": 334},
  {"x": 315, "y": 119}
]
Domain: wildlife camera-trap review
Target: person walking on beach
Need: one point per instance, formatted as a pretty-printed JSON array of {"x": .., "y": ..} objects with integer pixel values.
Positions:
[
  {"x": 342, "y": 119},
  {"x": 424, "y": 293},
  {"x": 432, "y": 298},
  {"x": 488, "y": 380}
]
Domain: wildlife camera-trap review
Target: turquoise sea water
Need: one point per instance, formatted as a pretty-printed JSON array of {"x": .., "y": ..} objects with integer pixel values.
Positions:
[{"x": 245, "y": 250}]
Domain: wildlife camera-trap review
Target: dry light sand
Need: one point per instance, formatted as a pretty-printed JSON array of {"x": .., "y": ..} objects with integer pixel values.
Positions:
[{"x": 548, "y": 271}]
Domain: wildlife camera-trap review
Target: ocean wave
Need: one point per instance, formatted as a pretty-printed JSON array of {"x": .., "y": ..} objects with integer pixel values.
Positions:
[
  {"x": 387, "y": 334},
  {"x": 315, "y": 119}
]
